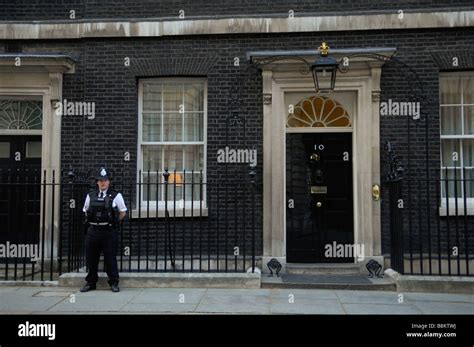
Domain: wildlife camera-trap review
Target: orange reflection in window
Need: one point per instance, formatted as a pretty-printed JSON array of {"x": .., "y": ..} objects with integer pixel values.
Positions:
[{"x": 175, "y": 178}]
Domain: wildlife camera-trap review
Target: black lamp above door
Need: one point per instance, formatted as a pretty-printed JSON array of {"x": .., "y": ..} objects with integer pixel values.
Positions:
[{"x": 324, "y": 70}]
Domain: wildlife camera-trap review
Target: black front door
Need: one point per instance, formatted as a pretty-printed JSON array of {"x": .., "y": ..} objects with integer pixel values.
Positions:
[
  {"x": 319, "y": 213},
  {"x": 20, "y": 179}
]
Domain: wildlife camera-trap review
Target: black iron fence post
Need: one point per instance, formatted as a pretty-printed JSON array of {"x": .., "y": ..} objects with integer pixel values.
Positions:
[
  {"x": 253, "y": 184},
  {"x": 168, "y": 246},
  {"x": 396, "y": 226},
  {"x": 396, "y": 204}
]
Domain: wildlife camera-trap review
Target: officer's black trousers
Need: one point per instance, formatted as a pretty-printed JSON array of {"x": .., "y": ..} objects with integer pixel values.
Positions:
[{"x": 101, "y": 239}]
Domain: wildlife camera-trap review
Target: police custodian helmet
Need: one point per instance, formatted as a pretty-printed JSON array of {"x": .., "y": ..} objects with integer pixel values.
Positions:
[{"x": 103, "y": 174}]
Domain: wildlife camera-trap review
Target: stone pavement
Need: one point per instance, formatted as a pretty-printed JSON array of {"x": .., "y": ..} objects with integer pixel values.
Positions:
[{"x": 53, "y": 300}]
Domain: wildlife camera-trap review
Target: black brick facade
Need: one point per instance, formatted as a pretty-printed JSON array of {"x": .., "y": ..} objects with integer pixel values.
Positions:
[{"x": 93, "y": 9}]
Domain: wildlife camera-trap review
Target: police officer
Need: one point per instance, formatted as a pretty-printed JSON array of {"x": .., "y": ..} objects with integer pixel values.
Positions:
[{"x": 104, "y": 209}]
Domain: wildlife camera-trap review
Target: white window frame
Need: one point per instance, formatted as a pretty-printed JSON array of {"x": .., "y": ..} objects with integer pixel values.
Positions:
[
  {"x": 443, "y": 210},
  {"x": 146, "y": 209}
]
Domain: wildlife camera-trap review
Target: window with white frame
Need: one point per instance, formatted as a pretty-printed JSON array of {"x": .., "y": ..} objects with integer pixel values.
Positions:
[
  {"x": 457, "y": 136},
  {"x": 172, "y": 124}
]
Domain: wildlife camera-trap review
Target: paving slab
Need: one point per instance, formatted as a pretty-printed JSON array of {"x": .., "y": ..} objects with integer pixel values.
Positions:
[
  {"x": 234, "y": 304},
  {"x": 166, "y": 296},
  {"x": 90, "y": 304},
  {"x": 380, "y": 309},
  {"x": 7, "y": 289},
  {"x": 445, "y": 307},
  {"x": 259, "y": 292},
  {"x": 304, "y": 294},
  {"x": 159, "y": 308},
  {"x": 125, "y": 293},
  {"x": 49, "y": 293},
  {"x": 367, "y": 297},
  {"x": 439, "y": 297},
  {"x": 14, "y": 302},
  {"x": 306, "y": 306}
]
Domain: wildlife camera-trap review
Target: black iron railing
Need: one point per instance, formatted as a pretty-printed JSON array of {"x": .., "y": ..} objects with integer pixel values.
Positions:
[
  {"x": 431, "y": 234},
  {"x": 176, "y": 221}
]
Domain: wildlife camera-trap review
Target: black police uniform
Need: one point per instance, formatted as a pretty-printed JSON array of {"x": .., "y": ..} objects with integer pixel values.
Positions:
[{"x": 102, "y": 236}]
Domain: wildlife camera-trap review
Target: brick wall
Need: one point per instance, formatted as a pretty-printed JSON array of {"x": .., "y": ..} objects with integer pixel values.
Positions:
[
  {"x": 89, "y": 9},
  {"x": 101, "y": 77}
]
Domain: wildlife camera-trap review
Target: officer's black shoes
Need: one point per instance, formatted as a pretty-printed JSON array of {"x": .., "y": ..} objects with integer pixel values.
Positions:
[
  {"x": 115, "y": 288},
  {"x": 87, "y": 287}
]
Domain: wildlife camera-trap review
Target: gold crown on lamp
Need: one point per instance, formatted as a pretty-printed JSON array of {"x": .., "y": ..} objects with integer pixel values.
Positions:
[{"x": 324, "y": 49}]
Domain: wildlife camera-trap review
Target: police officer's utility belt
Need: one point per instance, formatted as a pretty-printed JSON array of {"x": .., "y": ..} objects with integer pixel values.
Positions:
[{"x": 105, "y": 223}]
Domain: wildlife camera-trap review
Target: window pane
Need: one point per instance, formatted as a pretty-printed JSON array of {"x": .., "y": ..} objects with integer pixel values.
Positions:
[
  {"x": 194, "y": 97},
  {"x": 451, "y": 120},
  {"x": 193, "y": 157},
  {"x": 469, "y": 183},
  {"x": 450, "y": 90},
  {"x": 4, "y": 149},
  {"x": 152, "y": 158},
  {"x": 173, "y": 126},
  {"x": 151, "y": 97},
  {"x": 193, "y": 189},
  {"x": 172, "y": 188},
  {"x": 193, "y": 127},
  {"x": 173, "y": 96},
  {"x": 468, "y": 152},
  {"x": 469, "y": 120},
  {"x": 448, "y": 148},
  {"x": 453, "y": 190},
  {"x": 173, "y": 158},
  {"x": 150, "y": 186},
  {"x": 33, "y": 149},
  {"x": 151, "y": 127},
  {"x": 468, "y": 89}
]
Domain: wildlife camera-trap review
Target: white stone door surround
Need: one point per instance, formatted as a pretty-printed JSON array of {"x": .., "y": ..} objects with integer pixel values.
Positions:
[
  {"x": 40, "y": 75},
  {"x": 363, "y": 80}
]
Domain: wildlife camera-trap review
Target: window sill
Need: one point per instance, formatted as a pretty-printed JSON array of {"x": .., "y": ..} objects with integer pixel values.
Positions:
[
  {"x": 443, "y": 211},
  {"x": 153, "y": 213}
]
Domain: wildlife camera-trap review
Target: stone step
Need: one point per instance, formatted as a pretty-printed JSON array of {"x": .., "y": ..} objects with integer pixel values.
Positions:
[
  {"x": 343, "y": 282},
  {"x": 322, "y": 269},
  {"x": 169, "y": 280}
]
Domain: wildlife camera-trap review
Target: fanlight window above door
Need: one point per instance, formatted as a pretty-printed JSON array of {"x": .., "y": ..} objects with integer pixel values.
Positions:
[
  {"x": 318, "y": 111},
  {"x": 21, "y": 114}
]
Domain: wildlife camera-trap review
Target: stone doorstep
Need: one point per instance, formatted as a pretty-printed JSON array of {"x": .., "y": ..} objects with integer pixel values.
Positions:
[
  {"x": 319, "y": 269},
  {"x": 329, "y": 268},
  {"x": 377, "y": 284},
  {"x": 433, "y": 284},
  {"x": 170, "y": 280}
]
